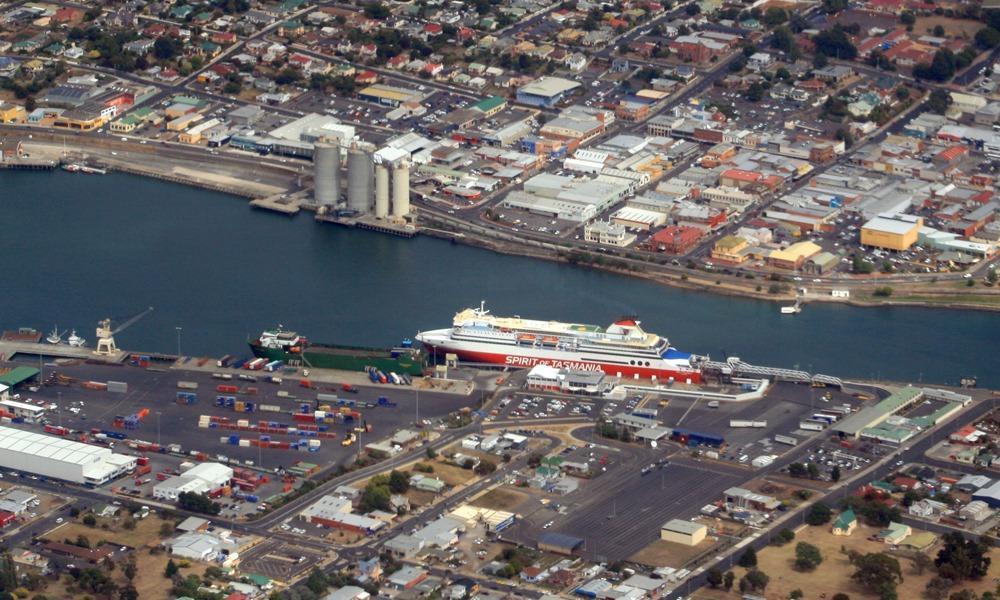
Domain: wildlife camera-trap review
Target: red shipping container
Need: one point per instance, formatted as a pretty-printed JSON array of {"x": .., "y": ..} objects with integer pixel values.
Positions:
[{"x": 227, "y": 389}]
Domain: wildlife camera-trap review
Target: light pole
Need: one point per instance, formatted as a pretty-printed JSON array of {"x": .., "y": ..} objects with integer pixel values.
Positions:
[
  {"x": 178, "y": 341},
  {"x": 158, "y": 413}
]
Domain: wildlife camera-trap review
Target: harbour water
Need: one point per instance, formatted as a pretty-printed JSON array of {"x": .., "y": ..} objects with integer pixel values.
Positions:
[{"x": 78, "y": 248}]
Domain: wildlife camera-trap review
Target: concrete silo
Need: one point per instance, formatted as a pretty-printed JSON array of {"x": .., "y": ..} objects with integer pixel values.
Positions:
[
  {"x": 359, "y": 180},
  {"x": 326, "y": 174},
  {"x": 381, "y": 191},
  {"x": 401, "y": 190}
]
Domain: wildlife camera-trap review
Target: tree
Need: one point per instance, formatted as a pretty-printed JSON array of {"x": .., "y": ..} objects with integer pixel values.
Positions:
[
  {"x": 166, "y": 529},
  {"x": 485, "y": 467},
  {"x": 937, "y": 588},
  {"x": 819, "y": 514},
  {"x": 755, "y": 92},
  {"x": 795, "y": 594},
  {"x": 128, "y": 592},
  {"x": 961, "y": 558},
  {"x": 939, "y": 31},
  {"x": 907, "y": 17},
  {"x": 171, "y": 569},
  {"x": 431, "y": 453},
  {"x": 89, "y": 520},
  {"x": 878, "y": 573},
  {"x": 714, "y": 577},
  {"x": 692, "y": 9},
  {"x": 807, "y": 557},
  {"x": 988, "y": 37},
  {"x": 835, "y": 42},
  {"x": 399, "y": 483},
  {"x": 756, "y": 580},
  {"x": 835, "y": 474},
  {"x": 813, "y": 471},
  {"x": 535, "y": 459},
  {"x": 749, "y": 559},
  {"x": 165, "y": 48},
  {"x": 130, "y": 569},
  {"x": 728, "y": 580},
  {"x": 375, "y": 497},
  {"x": 775, "y": 16},
  {"x": 840, "y": 596},
  {"x": 797, "y": 469},
  {"x": 941, "y": 69},
  {"x": 820, "y": 61},
  {"x": 921, "y": 562},
  {"x": 784, "y": 536},
  {"x": 939, "y": 101},
  {"x": 200, "y": 503}
]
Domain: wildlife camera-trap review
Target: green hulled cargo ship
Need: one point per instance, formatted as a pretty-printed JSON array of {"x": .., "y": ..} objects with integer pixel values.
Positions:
[{"x": 296, "y": 350}]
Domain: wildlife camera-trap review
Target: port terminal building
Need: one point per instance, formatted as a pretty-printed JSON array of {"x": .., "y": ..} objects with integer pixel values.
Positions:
[{"x": 59, "y": 458}]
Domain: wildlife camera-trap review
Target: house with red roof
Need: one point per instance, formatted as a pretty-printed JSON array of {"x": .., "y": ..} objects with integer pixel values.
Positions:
[
  {"x": 465, "y": 33},
  {"x": 155, "y": 30},
  {"x": 223, "y": 37},
  {"x": 399, "y": 61},
  {"x": 432, "y": 68},
  {"x": 366, "y": 77},
  {"x": 433, "y": 29},
  {"x": 300, "y": 61},
  {"x": 67, "y": 15},
  {"x": 368, "y": 50}
]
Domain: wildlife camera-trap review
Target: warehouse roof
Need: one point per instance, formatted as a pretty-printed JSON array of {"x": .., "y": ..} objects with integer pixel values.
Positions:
[
  {"x": 682, "y": 526},
  {"x": 872, "y": 415},
  {"x": 549, "y": 86},
  {"x": 17, "y": 375},
  {"x": 35, "y": 444},
  {"x": 897, "y": 224},
  {"x": 490, "y": 103},
  {"x": 560, "y": 540}
]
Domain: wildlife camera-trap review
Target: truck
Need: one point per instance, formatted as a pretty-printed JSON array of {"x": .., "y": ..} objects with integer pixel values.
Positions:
[
  {"x": 383, "y": 401},
  {"x": 347, "y": 387}
]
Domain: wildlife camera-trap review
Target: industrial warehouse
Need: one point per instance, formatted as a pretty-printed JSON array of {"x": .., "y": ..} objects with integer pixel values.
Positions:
[{"x": 58, "y": 458}]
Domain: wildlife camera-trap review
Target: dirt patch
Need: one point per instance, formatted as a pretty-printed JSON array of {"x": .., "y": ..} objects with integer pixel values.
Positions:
[
  {"x": 662, "y": 553},
  {"x": 145, "y": 534},
  {"x": 500, "y": 499},
  {"x": 957, "y": 28},
  {"x": 420, "y": 497},
  {"x": 834, "y": 575},
  {"x": 452, "y": 475}
]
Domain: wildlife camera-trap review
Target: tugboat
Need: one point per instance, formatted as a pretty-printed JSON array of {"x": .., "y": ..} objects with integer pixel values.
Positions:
[
  {"x": 54, "y": 337},
  {"x": 75, "y": 340}
]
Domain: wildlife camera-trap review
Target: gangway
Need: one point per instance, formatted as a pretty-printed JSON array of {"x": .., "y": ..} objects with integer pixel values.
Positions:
[{"x": 735, "y": 366}]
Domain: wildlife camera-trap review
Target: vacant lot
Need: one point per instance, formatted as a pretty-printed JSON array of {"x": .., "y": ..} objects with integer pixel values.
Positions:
[
  {"x": 834, "y": 575},
  {"x": 500, "y": 499},
  {"x": 670, "y": 554},
  {"x": 451, "y": 474},
  {"x": 959, "y": 28}
]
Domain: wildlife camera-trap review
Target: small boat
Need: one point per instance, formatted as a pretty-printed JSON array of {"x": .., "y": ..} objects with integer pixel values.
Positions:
[
  {"x": 793, "y": 309},
  {"x": 75, "y": 340},
  {"x": 54, "y": 337},
  {"x": 71, "y": 168}
]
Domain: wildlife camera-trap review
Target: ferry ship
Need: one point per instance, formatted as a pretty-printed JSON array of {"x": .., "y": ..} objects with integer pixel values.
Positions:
[
  {"x": 295, "y": 350},
  {"x": 622, "y": 349}
]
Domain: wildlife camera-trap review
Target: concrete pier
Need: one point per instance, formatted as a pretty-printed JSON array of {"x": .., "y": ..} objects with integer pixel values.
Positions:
[
  {"x": 372, "y": 224},
  {"x": 278, "y": 203},
  {"x": 8, "y": 349}
]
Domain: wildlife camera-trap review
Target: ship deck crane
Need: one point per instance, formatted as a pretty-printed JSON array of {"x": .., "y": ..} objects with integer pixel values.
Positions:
[{"x": 106, "y": 335}]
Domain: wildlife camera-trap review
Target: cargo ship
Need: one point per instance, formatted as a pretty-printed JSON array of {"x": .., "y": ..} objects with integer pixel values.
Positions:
[
  {"x": 296, "y": 350},
  {"x": 622, "y": 349}
]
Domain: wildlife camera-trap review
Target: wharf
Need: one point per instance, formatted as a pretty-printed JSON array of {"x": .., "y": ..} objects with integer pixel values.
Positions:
[
  {"x": 29, "y": 164},
  {"x": 9, "y": 348},
  {"x": 281, "y": 203},
  {"x": 406, "y": 230}
]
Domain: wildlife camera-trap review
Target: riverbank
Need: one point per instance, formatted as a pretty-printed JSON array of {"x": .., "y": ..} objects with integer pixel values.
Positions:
[{"x": 227, "y": 173}]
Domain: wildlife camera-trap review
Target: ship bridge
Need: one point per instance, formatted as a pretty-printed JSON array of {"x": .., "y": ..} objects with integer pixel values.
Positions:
[{"x": 735, "y": 366}]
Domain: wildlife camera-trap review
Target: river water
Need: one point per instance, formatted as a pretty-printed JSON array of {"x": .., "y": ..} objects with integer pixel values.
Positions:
[{"x": 78, "y": 248}]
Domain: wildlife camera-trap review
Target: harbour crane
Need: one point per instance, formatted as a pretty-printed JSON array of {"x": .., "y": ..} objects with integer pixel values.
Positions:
[{"x": 106, "y": 335}]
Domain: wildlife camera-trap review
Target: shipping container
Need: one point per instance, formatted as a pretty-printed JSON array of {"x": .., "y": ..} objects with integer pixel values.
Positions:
[
  {"x": 223, "y": 376},
  {"x": 273, "y": 366},
  {"x": 187, "y": 385},
  {"x": 227, "y": 389},
  {"x": 786, "y": 439},
  {"x": 322, "y": 397},
  {"x": 742, "y": 423},
  {"x": 812, "y": 425},
  {"x": 117, "y": 387},
  {"x": 224, "y": 361},
  {"x": 143, "y": 470}
]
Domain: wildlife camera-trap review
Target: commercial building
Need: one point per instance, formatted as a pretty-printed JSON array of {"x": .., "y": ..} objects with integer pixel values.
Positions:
[
  {"x": 891, "y": 232},
  {"x": 793, "y": 257},
  {"x": 675, "y": 239},
  {"x": 494, "y": 520},
  {"x": 608, "y": 233},
  {"x": 200, "y": 479},
  {"x": 743, "y": 498},
  {"x": 683, "y": 532},
  {"x": 389, "y": 95},
  {"x": 546, "y": 91},
  {"x": 845, "y": 523},
  {"x": 60, "y": 458}
]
